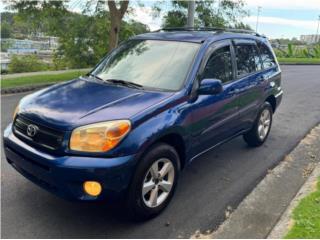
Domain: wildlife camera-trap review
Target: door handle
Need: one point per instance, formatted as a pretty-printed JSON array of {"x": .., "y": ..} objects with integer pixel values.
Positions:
[
  {"x": 234, "y": 91},
  {"x": 263, "y": 78}
]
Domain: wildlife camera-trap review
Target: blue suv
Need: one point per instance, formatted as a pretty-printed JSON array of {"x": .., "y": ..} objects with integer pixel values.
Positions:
[{"x": 148, "y": 109}]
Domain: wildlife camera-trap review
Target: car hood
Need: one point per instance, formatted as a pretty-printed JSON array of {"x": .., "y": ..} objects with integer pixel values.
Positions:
[{"x": 84, "y": 101}]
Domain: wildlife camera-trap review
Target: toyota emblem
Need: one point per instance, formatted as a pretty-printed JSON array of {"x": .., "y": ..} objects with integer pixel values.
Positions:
[{"x": 32, "y": 130}]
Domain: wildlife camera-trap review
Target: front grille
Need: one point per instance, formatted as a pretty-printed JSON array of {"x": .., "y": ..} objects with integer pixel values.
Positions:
[{"x": 45, "y": 137}]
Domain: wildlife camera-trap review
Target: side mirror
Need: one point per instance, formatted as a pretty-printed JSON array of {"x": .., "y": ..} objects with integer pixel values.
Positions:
[{"x": 210, "y": 87}]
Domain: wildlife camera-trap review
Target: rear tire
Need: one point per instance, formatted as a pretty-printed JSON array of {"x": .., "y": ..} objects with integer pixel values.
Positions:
[
  {"x": 154, "y": 182},
  {"x": 261, "y": 128}
]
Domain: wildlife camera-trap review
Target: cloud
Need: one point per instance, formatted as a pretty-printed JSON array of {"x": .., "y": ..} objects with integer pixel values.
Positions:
[
  {"x": 285, "y": 4},
  {"x": 304, "y": 24}
]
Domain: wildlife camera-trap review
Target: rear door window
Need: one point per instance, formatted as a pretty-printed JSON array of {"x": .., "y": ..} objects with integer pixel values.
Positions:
[{"x": 248, "y": 59}]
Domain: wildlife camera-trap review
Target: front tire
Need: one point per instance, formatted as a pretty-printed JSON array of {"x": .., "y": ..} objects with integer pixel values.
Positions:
[
  {"x": 261, "y": 128},
  {"x": 154, "y": 182}
]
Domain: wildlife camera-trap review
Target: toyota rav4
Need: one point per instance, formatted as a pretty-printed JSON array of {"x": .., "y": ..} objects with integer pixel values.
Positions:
[{"x": 149, "y": 108}]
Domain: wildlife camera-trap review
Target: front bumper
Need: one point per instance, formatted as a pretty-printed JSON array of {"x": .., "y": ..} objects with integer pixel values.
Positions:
[{"x": 64, "y": 175}]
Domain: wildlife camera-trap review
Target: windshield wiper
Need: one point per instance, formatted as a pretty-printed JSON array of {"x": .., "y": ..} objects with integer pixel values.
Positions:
[
  {"x": 95, "y": 76},
  {"x": 125, "y": 83}
]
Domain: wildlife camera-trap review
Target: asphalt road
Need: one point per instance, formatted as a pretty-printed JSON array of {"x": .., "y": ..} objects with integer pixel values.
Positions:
[{"x": 220, "y": 178}]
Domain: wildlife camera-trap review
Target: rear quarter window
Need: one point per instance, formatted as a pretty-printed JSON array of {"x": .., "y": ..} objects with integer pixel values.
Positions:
[{"x": 267, "y": 57}]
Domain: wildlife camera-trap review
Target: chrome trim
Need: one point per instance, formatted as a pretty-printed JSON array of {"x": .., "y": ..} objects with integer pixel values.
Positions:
[{"x": 279, "y": 94}]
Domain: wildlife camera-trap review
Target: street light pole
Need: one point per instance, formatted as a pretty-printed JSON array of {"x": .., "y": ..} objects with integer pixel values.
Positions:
[
  {"x": 191, "y": 10},
  {"x": 258, "y": 15},
  {"x": 317, "y": 35}
]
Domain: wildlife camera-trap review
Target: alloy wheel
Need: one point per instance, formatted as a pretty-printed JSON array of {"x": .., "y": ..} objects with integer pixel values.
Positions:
[
  {"x": 264, "y": 124},
  {"x": 158, "y": 182}
]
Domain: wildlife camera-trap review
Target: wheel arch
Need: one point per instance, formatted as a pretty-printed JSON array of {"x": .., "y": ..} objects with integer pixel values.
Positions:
[
  {"x": 175, "y": 140},
  {"x": 172, "y": 138}
]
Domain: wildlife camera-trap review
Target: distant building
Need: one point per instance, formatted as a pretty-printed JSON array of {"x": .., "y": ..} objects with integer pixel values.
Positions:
[
  {"x": 311, "y": 38},
  {"x": 27, "y": 46},
  {"x": 4, "y": 61},
  {"x": 43, "y": 47}
]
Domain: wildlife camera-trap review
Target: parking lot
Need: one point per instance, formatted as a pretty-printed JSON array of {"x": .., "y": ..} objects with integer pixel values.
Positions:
[{"x": 219, "y": 178}]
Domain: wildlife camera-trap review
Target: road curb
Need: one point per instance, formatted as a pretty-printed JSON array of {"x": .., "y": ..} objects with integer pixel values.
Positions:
[
  {"x": 260, "y": 211},
  {"x": 24, "y": 89},
  {"x": 54, "y": 72},
  {"x": 21, "y": 89},
  {"x": 285, "y": 222}
]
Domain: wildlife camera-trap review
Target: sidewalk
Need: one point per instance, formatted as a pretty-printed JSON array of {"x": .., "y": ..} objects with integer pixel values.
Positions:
[{"x": 261, "y": 210}]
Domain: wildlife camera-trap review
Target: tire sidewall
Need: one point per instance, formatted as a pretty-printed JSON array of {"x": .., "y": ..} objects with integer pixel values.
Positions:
[
  {"x": 265, "y": 106},
  {"x": 135, "y": 201}
]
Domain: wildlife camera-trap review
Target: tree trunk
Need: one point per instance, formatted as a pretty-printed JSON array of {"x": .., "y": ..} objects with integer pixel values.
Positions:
[
  {"x": 114, "y": 33},
  {"x": 116, "y": 16}
]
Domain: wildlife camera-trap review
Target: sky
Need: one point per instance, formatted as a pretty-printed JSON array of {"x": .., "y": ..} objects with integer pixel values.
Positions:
[{"x": 278, "y": 18}]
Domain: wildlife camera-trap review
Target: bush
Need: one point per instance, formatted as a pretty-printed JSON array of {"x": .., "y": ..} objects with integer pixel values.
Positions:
[
  {"x": 294, "y": 51},
  {"x": 27, "y": 63},
  {"x": 4, "y": 71}
]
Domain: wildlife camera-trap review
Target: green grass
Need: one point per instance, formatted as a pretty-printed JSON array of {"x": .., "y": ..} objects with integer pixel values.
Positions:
[
  {"x": 41, "y": 79},
  {"x": 299, "y": 60},
  {"x": 306, "y": 217}
]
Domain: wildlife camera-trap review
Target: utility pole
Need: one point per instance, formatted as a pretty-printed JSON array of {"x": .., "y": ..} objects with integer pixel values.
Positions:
[
  {"x": 317, "y": 35},
  {"x": 219, "y": 4},
  {"x": 258, "y": 15},
  {"x": 191, "y": 10}
]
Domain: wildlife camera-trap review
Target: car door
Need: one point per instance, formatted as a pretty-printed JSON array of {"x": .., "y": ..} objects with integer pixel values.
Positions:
[
  {"x": 250, "y": 81},
  {"x": 215, "y": 116}
]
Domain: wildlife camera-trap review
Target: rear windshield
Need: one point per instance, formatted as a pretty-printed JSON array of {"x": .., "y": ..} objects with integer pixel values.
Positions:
[{"x": 150, "y": 63}]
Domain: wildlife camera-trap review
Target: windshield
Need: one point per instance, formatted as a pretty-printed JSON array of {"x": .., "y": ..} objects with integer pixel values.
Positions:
[{"x": 149, "y": 63}]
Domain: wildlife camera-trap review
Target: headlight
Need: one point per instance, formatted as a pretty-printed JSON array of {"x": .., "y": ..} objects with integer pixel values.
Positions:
[
  {"x": 15, "y": 112},
  {"x": 99, "y": 137}
]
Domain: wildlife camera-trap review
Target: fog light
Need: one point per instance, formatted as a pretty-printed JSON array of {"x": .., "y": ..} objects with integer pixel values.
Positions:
[{"x": 92, "y": 188}]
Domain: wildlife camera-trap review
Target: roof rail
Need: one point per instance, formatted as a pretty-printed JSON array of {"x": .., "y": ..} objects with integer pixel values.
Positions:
[{"x": 214, "y": 29}]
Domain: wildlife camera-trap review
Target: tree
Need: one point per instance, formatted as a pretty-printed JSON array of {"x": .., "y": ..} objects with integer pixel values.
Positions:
[
  {"x": 85, "y": 40},
  {"x": 208, "y": 13},
  {"x": 116, "y": 16},
  {"x": 5, "y": 30},
  {"x": 79, "y": 46},
  {"x": 38, "y": 16},
  {"x": 241, "y": 25},
  {"x": 175, "y": 18},
  {"x": 83, "y": 37}
]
